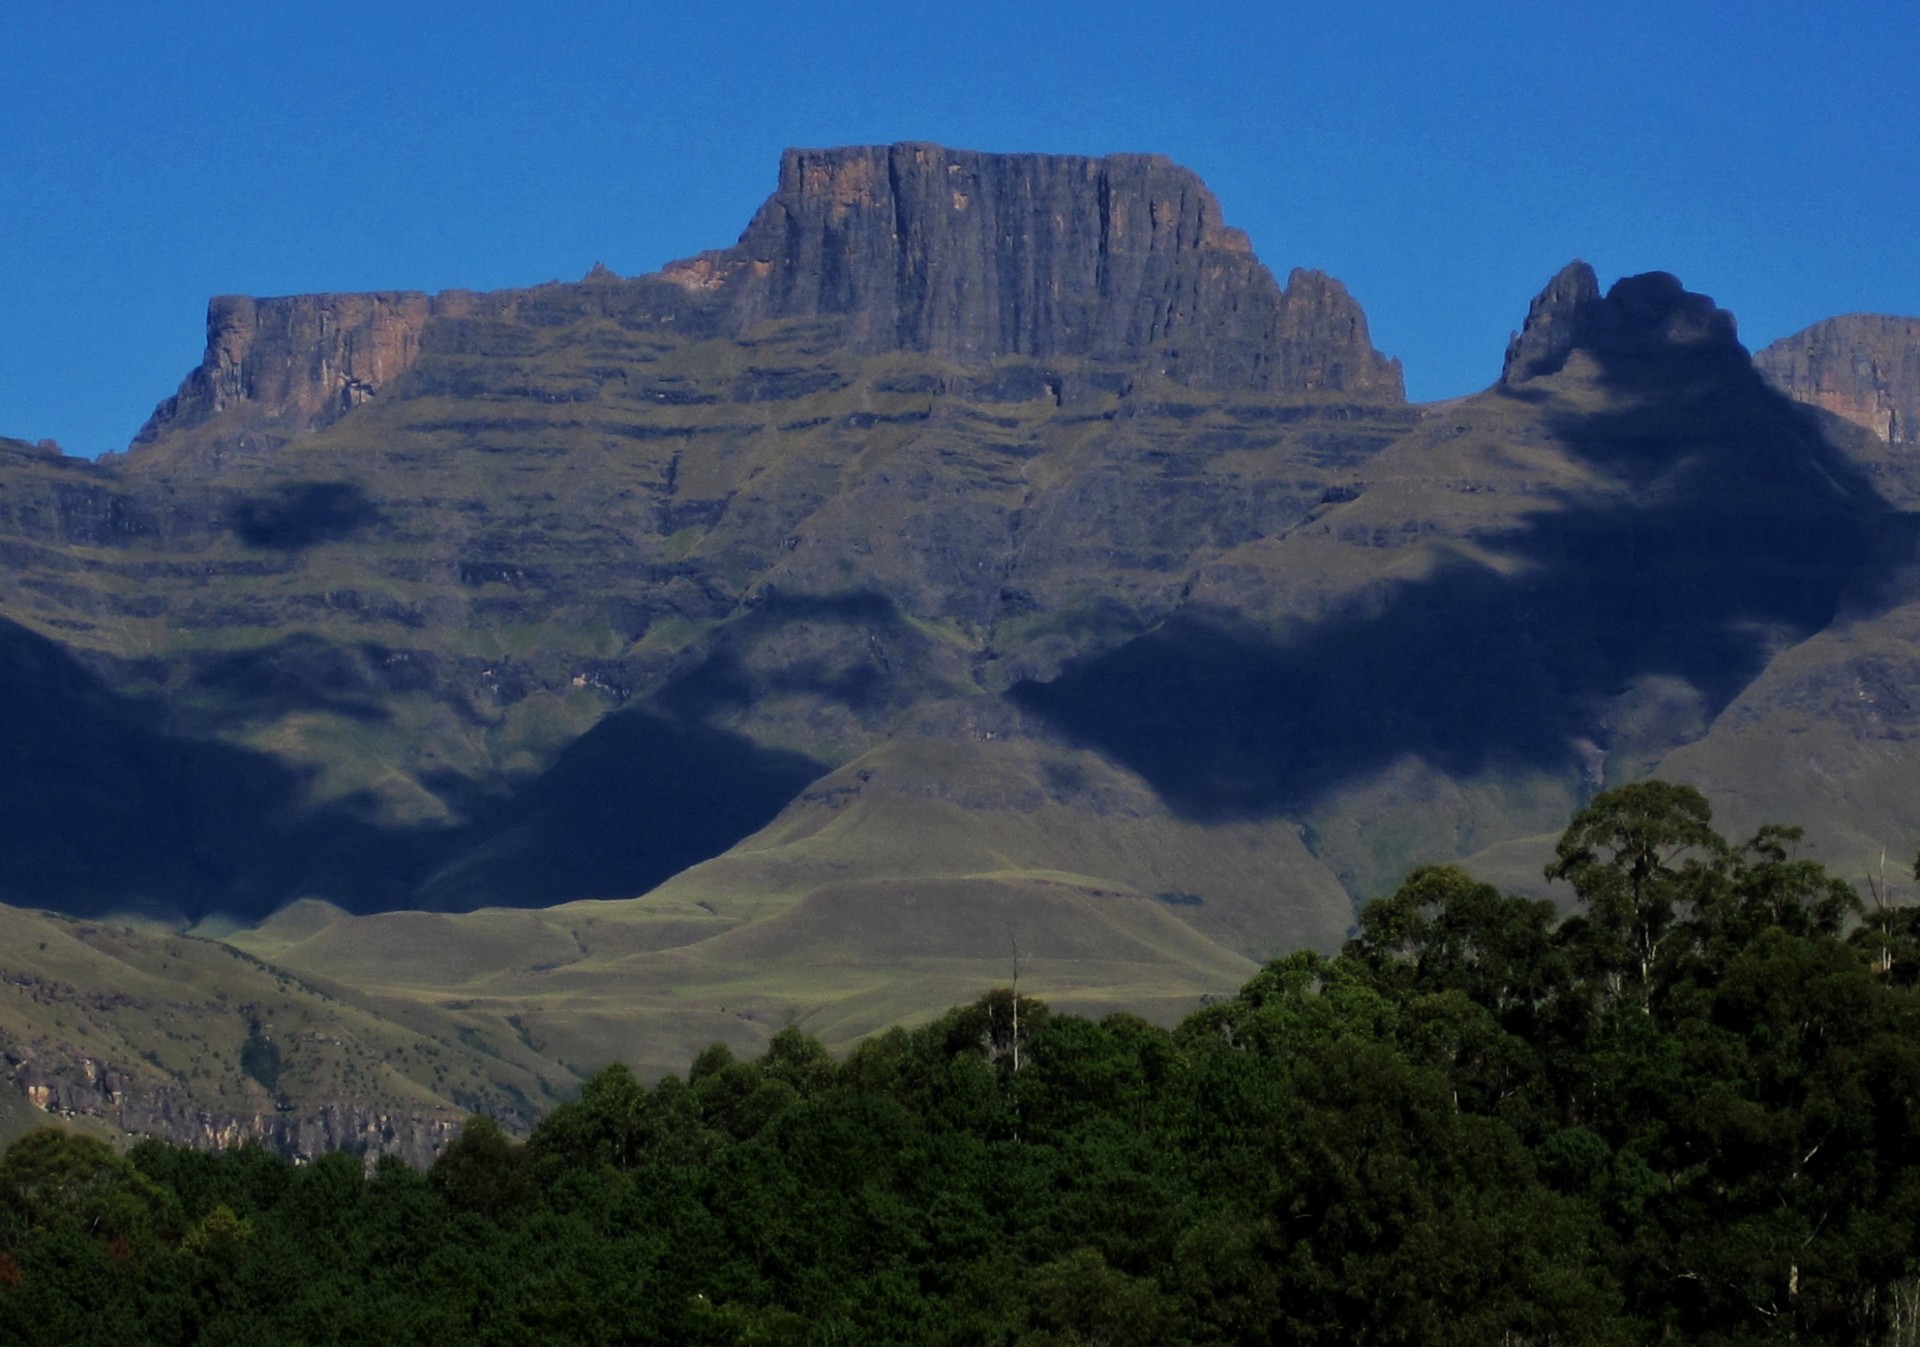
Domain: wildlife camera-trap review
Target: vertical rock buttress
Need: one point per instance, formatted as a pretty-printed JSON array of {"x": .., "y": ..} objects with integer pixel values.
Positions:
[
  {"x": 301, "y": 360},
  {"x": 974, "y": 256}
]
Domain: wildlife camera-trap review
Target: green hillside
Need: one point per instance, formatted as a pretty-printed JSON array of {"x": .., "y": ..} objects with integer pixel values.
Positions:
[
  {"x": 1687, "y": 1112},
  {"x": 127, "y": 1031},
  {"x": 809, "y": 632}
]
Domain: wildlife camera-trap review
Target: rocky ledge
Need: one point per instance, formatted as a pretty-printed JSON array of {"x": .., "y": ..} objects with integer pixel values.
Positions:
[{"x": 62, "y": 1082}]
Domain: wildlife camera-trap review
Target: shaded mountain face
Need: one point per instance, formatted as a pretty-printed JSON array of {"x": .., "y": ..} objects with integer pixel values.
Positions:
[
  {"x": 1538, "y": 592},
  {"x": 548, "y": 594}
]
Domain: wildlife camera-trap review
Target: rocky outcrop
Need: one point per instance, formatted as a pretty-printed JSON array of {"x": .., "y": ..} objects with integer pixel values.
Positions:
[
  {"x": 1862, "y": 366},
  {"x": 970, "y": 257},
  {"x": 974, "y": 256},
  {"x": 62, "y": 1082},
  {"x": 1557, "y": 321},
  {"x": 301, "y": 361},
  {"x": 1647, "y": 316}
]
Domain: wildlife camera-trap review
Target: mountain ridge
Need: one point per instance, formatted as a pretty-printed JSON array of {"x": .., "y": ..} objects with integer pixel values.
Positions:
[
  {"x": 790, "y": 625},
  {"x": 963, "y": 255}
]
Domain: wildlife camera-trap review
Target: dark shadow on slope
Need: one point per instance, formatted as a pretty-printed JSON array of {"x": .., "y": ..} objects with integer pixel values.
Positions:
[
  {"x": 108, "y": 805},
  {"x": 631, "y": 803},
  {"x": 1740, "y": 530},
  {"x": 661, "y": 786},
  {"x": 302, "y": 673},
  {"x": 103, "y": 808},
  {"x": 872, "y": 672},
  {"x": 298, "y": 515}
]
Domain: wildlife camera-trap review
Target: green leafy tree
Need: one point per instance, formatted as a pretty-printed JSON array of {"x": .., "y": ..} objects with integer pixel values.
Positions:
[
  {"x": 484, "y": 1171},
  {"x": 53, "y": 1177},
  {"x": 1079, "y": 1301},
  {"x": 1635, "y": 856}
]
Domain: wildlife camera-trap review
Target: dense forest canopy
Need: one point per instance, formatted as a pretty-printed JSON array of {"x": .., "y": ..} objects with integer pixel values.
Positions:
[{"x": 1689, "y": 1111}]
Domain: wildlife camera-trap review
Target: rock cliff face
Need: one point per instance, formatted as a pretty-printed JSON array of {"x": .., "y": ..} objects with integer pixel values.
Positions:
[
  {"x": 1641, "y": 316},
  {"x": 62, "y": 1083},
  {"x": 50, "y": 498},
  {"x": 1863, "y": 366},
  {"x": 1557, "y": 321},
  {"x": 300, "y": 361},
  {"x": 964, "y": 256},
  {"x": 974, "y": 256}
]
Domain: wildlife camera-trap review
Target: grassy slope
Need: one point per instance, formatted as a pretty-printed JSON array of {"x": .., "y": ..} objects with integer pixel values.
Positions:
[
  {"x": 1823, "y": 736},
  {"x": 896, "y": 886},
  {"x": 858, "y": 911},
  {"x": 1510, "y": 524},
  {"x": 1819, "y": 738},
  {"x": 1824, "y": 739},
  {"x": 151, "y": 1029},
  {"x": 548, "y": 519},
  {"x": 1470, "y": 474}
]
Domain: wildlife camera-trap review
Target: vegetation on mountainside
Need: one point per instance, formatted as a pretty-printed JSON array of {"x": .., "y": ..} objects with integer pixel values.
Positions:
[
  {"x": 130, "y": 1030},
  {"x": 394, "y": 629},
  {"x": 1689, "y": 1111},
  {"x": 588, "y": 562}
]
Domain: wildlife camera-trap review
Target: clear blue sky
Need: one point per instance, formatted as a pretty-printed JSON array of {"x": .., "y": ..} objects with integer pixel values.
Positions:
[{"x": 1443, "y": 160}]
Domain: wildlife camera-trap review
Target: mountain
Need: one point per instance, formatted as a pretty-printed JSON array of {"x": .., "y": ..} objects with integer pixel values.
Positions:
[
  {"x": 1864, "y": 367},
  {"x": 906, "y": 248},
  {"x": 1541, "y": 590},
  {"x": 985, "y": 564},
  {"x": 356, "y": 608}
]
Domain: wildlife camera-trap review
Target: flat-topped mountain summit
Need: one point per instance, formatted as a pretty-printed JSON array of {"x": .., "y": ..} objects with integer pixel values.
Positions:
[
  {"x": 964, "y": 256},
  {"x": 973, "y": 257},
  {"x": 985, "y": 550}
]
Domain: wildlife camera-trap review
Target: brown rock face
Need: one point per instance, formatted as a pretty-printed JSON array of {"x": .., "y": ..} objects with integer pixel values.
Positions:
[
  {"x": 967, "y": 256},
  {"x": 302, "y": 361},
  {"x": 975, "y": 256},
  {"x": 1863, "y": 366}
]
